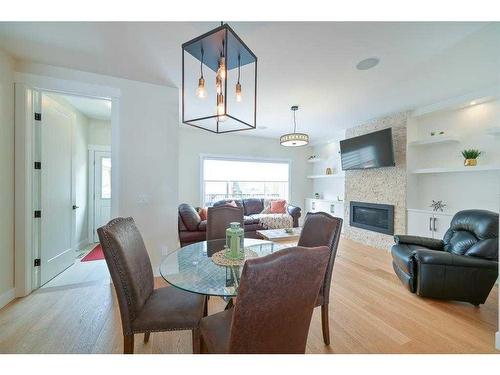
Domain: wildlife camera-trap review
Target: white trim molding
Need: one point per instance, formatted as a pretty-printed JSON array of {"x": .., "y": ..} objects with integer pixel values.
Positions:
[
  {"x": 7, "y": 297},
  {"x": 497, "y": 340}
]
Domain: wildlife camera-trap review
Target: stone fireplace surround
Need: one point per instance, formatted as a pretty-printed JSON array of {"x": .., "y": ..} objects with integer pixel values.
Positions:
[{"x": 381, "y": 185}]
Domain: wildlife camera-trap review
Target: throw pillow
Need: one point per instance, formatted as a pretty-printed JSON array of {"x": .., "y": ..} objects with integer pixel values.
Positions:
[
  {"x": 203, "y": 212},
  {"x": 278, "y": 206},
  {"x": 232, "y": 203}
]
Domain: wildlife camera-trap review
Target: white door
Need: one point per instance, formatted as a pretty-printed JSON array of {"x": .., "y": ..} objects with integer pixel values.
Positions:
[
  {"x": 420, "y": 224},
  {"x": 102, "y": 190},
  {"x": 57, "y": 181}
]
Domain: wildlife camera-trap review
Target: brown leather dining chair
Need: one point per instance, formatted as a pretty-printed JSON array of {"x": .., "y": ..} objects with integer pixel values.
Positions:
[
  {"x": 144, "y": 309},
  {"x": 219, "y": 218},
  {"x": 322, "y": 229},
  {"x": 274, "y": 307}
]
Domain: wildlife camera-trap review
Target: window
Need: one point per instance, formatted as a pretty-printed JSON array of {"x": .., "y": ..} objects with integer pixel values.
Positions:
[
  {"x": 105, "y": 178},
  {"x": 238, "y": 179}
]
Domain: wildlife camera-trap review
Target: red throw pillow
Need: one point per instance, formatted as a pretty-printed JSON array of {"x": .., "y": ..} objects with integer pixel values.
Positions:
[
  {"x": 203, "y": 213},
  {"x": 278, "y": 206}
]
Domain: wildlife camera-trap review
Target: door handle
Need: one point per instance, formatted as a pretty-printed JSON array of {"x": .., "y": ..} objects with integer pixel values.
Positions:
[
  {"x": 434, "y": 224},
  {"x": 75, "y": 207},
  {"x": 430, "y": 224}
]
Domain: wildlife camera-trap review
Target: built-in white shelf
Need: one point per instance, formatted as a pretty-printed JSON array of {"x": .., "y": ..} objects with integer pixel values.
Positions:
[
  {"x": 479, "y": 168},
  {"x": 336, "y": 175},
  {"x": 437, "y": 139},
  {"x": 315, "y": 160},
  {"x": 333, "y": 201},
  {"x": 493, "y": 131}
]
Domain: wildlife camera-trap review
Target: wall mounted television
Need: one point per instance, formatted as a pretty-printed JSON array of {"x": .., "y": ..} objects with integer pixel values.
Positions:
[{"x": 372, "y": 150}]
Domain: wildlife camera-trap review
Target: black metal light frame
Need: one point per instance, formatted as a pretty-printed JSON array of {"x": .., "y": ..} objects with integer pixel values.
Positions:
[{"x": 192, "y": 47}]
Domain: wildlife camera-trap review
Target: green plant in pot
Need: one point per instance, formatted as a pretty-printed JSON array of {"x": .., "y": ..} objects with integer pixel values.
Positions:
[{"x": 470, "y": 157}]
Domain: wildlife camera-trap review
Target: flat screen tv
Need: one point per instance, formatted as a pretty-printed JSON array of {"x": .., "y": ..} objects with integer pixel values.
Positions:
[{"x": 373, "y": 150}]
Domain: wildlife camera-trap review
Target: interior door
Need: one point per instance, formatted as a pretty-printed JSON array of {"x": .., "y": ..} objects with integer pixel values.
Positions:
[
  {"x": 102, "y": 190},
  {"x": 57, "y": 181}
]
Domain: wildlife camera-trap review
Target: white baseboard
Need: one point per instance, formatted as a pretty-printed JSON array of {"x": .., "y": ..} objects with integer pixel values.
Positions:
[
  {"x": 6, "y": 297},
  {"x": 497, "y": 340}
]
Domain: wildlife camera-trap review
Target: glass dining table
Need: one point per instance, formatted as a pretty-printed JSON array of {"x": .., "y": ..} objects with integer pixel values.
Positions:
[{"x": 191, "y": 268}]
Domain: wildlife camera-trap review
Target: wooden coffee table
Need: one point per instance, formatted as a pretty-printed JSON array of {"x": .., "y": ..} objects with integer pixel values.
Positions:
[{"x": 277, "y": 235}]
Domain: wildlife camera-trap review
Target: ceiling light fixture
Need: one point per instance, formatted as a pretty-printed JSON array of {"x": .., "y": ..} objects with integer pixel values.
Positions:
[
  {"x": 294, "y": 139},
  {"x": 368, "y": 63},
  {"x": 228, "y": 59}
]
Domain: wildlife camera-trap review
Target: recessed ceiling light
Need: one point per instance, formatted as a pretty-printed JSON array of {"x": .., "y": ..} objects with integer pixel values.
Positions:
[
  {"x": 473, "y": 102},
  {"x": 368, "y": 63}
]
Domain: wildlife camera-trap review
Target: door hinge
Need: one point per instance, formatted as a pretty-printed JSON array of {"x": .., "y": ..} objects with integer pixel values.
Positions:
[
  {"x": 37, "y": 262},
  {"x": 38, "y": 165},
  {"x": 38, "y": 116},
  {"x": 38, "y": 213}
]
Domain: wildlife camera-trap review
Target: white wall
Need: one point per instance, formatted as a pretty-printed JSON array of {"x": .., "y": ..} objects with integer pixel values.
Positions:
[
  {"x": 100, "y": 132},
  {"x": 6, "y": 178},
  {"x": 193, "y": 142},
  {"x": 146, "y": 144}
]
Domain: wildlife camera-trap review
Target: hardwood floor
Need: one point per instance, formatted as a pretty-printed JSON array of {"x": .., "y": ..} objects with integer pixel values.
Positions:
[{"x": 370, "y": 312}]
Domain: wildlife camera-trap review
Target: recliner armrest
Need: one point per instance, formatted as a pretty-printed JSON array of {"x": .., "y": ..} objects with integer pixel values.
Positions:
[
  {"x": 294, "y": 213},
  {"x": 430, "y": 243},
  {"x": 444, "y": 258}
]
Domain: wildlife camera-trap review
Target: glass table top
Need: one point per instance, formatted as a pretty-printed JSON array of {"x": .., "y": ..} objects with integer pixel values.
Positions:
[{"x": 191, "y": 268}]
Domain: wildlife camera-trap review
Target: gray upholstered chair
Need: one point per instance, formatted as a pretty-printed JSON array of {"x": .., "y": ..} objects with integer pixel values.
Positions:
[
  {"x": 274, "y": 307},
  {"x": 219, "y": 218},
  {"x": 144, "y": 309},
  {"x": 322, "y": 229}
]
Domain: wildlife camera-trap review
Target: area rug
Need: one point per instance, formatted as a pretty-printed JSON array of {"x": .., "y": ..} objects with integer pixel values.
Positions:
[{"x": 95, "y": 254}]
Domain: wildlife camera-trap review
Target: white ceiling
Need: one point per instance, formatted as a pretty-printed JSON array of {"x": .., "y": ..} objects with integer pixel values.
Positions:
[
  {"x": 99, "y": 109},
  {"x": 309, "y": 64}
]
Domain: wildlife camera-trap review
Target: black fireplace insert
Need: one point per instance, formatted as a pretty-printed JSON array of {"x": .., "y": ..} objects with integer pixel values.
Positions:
[{"x": 372, "y": 216}]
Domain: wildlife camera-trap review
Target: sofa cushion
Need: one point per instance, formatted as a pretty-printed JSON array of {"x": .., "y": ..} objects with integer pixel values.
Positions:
[
  {"x": 278, "y": 206},
  {"x": 189, "y": 216},
  {"x": 250, "y": 220},
  {"x": 253, "y": 206},
  {"x": 202, "y": 226}
]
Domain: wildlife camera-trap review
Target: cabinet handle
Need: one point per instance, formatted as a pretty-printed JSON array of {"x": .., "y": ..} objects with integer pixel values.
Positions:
[
  {"x": 434, "y": 224},
  {"x": 430, "y": 224}
]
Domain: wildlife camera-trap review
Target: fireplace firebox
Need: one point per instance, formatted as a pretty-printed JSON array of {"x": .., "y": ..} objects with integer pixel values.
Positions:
[{"x": 372, "y": 216}]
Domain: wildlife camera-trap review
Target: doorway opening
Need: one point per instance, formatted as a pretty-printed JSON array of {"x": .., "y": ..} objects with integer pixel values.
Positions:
[{"x": 71, "y": 188}]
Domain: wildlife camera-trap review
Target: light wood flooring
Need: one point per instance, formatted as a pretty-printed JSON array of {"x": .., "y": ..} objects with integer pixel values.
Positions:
[{"x": 370, "y": 312}]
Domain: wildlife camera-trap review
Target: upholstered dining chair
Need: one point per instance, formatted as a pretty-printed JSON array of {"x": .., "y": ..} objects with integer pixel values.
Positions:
[
  {"x": 218, "y": 219},
  {"x": 322, "y": 229},
  {"x": 274, "y": 307},
  {"x": 144, "y": 309}
]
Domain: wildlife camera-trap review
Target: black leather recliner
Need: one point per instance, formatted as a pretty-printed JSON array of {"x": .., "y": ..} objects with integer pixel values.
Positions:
[{"x": 463, "y": 266}]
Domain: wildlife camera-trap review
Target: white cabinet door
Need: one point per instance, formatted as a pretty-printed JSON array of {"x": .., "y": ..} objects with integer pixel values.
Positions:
[
  {"x": 440, "y": 224},
  {"x": 420, "y": 224}
]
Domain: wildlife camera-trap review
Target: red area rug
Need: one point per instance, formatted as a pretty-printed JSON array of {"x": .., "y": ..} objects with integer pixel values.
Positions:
[{"x": 95, "y": 254}]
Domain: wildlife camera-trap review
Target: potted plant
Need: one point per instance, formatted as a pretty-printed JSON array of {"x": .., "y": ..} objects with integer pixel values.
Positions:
[{"x": 470, "y": 157}]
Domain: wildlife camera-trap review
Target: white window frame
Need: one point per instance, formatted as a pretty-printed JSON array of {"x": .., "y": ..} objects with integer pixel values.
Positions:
[{"x": 257, "y": 159}]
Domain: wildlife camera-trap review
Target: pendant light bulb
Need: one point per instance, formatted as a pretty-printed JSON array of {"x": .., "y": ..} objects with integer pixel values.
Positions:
[
  {"x": 238, "y": 92},
  {"x": 221, "y": 113},
  {"x": 222, "y": 68},
  {"x": 200, "y": 91},
  {"x": 218, "y": 84}
]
